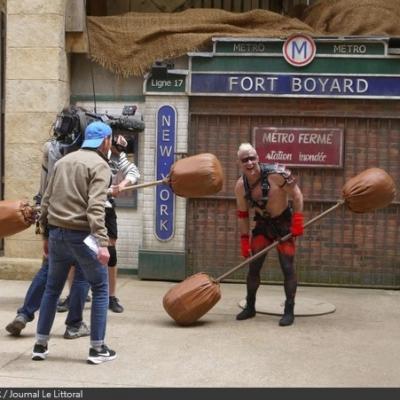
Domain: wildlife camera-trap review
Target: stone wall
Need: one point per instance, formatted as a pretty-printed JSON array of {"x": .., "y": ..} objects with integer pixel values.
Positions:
[{"x": 37, "y": 88}]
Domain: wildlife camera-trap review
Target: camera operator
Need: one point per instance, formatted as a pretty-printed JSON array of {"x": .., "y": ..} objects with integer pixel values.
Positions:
[
  {"x": 68, "y": 137},
  {"x": 119, "y": 164}
]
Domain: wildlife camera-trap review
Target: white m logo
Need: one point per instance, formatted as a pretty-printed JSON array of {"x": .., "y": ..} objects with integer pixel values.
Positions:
[{"x": 299, "y": 50}]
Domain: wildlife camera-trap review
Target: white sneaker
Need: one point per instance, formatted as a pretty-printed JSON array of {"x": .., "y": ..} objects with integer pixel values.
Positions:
[
  {"x": 39, "y": 352},
  {"x": 98, "y": 357}
]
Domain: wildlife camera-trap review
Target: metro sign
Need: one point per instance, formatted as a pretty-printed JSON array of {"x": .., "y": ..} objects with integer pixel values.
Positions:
[{"x": 299, "y": 50}]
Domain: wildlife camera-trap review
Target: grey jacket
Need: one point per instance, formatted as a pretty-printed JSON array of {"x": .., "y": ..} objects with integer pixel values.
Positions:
[{"x": 76, "y": 194}]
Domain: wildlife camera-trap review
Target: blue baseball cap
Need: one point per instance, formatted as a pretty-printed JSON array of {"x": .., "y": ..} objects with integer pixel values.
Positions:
[{"x": 95, "y": 133}]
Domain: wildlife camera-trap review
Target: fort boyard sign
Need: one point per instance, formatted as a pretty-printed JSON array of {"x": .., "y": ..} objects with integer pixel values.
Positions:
[{"x": 297, "y": 67}]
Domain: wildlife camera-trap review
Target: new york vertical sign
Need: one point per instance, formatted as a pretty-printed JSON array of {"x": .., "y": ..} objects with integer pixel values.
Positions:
[{"x": 165, "y": 198}]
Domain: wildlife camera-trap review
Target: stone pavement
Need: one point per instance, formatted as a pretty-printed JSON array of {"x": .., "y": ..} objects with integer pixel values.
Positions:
[{"x": 358, "y": 345}]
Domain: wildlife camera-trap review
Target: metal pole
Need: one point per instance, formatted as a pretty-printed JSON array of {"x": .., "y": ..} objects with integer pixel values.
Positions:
[{"x": 142, "y": 185}]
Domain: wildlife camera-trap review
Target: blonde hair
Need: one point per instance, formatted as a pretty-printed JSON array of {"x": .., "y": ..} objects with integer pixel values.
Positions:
[{"x": 245, "y": 147}]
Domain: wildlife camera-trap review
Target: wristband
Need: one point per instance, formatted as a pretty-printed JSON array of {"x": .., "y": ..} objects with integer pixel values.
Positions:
[
  {"x": 245, "y": 245},
  {"x": 297, "y": 227},
  {"x": 242, "y": 214}
]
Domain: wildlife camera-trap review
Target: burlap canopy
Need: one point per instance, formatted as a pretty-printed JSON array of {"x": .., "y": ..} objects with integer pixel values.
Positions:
[
  {"x": 129, "y": 44},
  {"x": 355, "y": 17}
]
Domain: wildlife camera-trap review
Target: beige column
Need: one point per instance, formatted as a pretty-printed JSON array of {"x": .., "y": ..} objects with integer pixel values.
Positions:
[{"x": 37, "y": 88}]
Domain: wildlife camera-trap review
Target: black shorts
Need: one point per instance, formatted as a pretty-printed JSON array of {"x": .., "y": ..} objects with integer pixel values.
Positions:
[
  {"x": 111, "y": 223},
  {"x": 273, "y": 228}
]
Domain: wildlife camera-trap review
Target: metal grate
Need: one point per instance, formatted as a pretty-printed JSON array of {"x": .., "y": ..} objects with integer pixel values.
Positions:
[
  {"x": 237, "y": 5},
  {"x": 114, "y": 7}
]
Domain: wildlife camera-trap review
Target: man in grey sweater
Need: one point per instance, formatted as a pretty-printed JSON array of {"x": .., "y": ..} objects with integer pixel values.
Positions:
[{"x": 73, "y": 215}]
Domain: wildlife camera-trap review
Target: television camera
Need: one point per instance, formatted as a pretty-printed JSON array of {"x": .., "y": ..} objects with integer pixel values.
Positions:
[{"x": 70, "y": 124}]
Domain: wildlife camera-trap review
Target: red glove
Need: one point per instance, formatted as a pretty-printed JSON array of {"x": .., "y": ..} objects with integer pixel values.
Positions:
[
  {"x": 297, "y": 227},
  {"x": 245, "y": 245}
]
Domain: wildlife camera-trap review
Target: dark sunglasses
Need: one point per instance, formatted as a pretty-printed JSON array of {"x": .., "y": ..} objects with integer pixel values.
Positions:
[{"x": 246, "y": 159}]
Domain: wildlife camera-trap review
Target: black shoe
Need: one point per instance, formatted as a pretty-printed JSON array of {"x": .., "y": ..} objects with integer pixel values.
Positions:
[
  {"x": 15, "y": 327},
  {"x": 39, "y": 352},
  {"x": 63, "y": 305},
  {"x": 248, "y": 312},
  {"x": 72, "y": 332},
  {"x": 288, "y": 315},
  {"x": 114, "y": 305},
  {"x": 98, "y": 357}
]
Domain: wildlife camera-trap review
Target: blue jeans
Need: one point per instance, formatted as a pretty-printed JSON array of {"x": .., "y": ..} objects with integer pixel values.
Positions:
[
  {"x": 77, "y": 298},
  {"x": 35, "y": 292},
  {"x": 66, "y": 248}
]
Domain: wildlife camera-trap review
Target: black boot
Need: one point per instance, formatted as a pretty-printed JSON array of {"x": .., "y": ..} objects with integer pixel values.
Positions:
[
  {"x": 114, "y": 305},
  {"x": 249, "y": 311},
  {"x": 288, "y": 316}
]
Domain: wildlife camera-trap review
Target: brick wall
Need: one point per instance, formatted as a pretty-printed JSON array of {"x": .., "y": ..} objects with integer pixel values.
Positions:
[{"x": 343, "y": 248}]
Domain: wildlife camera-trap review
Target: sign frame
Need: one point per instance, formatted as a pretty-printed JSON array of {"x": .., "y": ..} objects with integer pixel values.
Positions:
[
  {"x": 372, "y": 86},
  {"x": 281, "y": 153},
  {"x": 319, "y": 41},
  {"x": 175, "y": 83}
]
